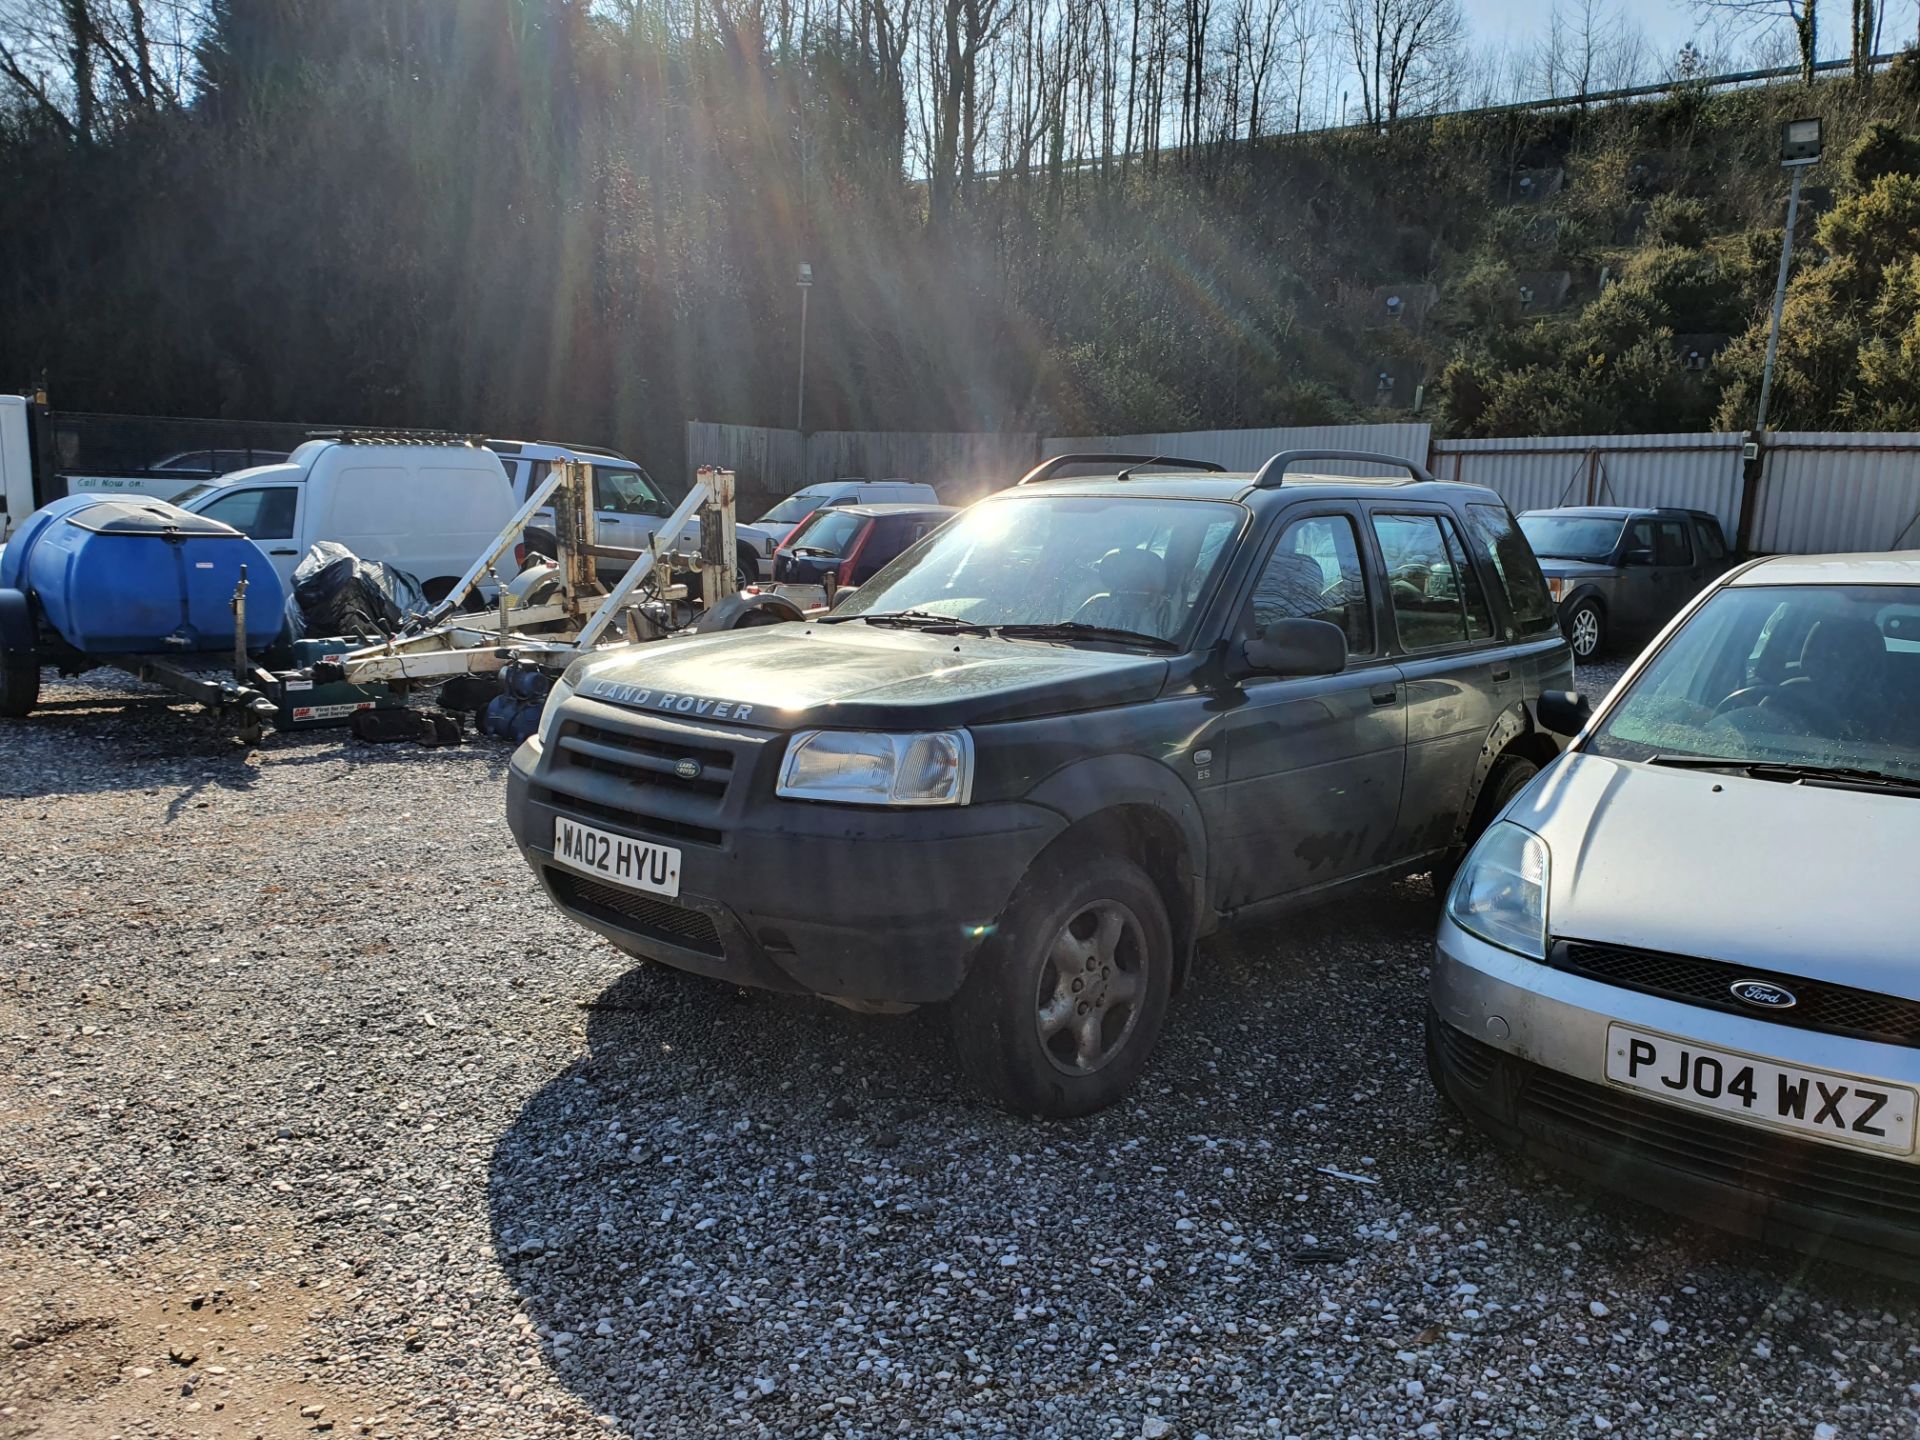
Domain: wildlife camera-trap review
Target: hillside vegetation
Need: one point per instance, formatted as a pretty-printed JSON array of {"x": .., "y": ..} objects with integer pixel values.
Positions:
[{"x": 551, "y": 218}]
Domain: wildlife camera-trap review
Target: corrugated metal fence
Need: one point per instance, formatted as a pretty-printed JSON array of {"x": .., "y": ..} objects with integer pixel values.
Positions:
[
  {"x": 1816, "y": 491},
  {"x": 1696, "y": 472}
]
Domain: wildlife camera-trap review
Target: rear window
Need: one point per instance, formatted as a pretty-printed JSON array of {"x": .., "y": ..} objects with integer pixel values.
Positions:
[
  {"x": 829, "y": 531},
  {"x": 794, "y": 508},
  {"x": 1499, "y": 539}
]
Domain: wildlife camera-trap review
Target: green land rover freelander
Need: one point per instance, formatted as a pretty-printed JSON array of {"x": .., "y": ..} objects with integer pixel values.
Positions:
[{"x": 1027, "y": 765}]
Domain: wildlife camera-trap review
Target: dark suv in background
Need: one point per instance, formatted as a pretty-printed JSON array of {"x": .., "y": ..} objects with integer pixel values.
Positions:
[
  {"x": 1081, "y": 724},
  {"x": 1620, "y": 572}
]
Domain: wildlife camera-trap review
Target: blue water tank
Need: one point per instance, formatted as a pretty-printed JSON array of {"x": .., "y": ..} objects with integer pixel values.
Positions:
[{"x": 118, "y": 576}]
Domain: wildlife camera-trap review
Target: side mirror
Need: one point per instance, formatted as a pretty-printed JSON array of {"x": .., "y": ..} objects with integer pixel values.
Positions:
[
  {"x": 1295, "y": 647},
  {"x": 1637, "y": 557},
  {"x": 1564, "y": 712},
  {"x": 841, "y": 596}
]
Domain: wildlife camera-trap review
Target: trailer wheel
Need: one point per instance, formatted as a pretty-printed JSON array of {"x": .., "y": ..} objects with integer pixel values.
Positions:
[{"x": 19, "y": 683}]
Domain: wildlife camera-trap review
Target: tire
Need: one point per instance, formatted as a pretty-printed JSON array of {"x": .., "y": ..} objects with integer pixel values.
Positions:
[
  {"x": 1586, "y": 631},
  {"x": 1014, "y": 1021},
  {"x": 19, "y": 684}
]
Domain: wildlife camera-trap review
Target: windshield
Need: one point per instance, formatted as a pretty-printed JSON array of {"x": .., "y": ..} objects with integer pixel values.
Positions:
[
  {"x": 829, "y": 531},
  {"x": 192, "y": 492},
  {"x": 791, "y": 510},
  {"x": 1819, "y": 675},
  {"x": 1572, "y": 537},
  {"x": 1116, "y": 562}
]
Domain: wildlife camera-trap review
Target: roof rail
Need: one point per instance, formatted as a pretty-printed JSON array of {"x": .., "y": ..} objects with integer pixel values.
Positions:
[
  {"x": 1047, "y": 468},
  {"x": 1274, "y": 472},
  {"x": 397, "y": 437}
]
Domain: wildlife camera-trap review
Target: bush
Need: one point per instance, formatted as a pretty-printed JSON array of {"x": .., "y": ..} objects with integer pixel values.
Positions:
[
  {"x": 1688, "y": 286},
  {"x": 1880, "y": 150},
  {"x": 1677, "y": 220},
  {"x": 1876, "y": 228}
]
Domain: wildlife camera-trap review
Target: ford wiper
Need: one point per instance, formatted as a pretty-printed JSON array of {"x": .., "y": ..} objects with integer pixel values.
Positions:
[
  {"x": 1080, "y": 630},
  {"x": 1844, "y": 776}
]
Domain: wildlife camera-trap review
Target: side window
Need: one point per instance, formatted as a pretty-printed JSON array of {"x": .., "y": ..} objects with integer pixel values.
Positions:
[
  {"x": 1670, "y": 544},
  {"x": 263, "y": 512},
  {"x": 1466, "y": 582},
  {"x": 1427, "y": 608},
  {"x": 1640, "y": 536},
  {"x": 1314, "y": 573},
  {"x": 1712, "y": 544},
  {"x": 1500, "y": 540}
]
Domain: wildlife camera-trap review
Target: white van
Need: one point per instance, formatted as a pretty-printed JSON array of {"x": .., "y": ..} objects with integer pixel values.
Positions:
[
  {"x": 628, "y": 506},
  {"x": 427, "y": 506},
  {"x": 850, "y": 490}
]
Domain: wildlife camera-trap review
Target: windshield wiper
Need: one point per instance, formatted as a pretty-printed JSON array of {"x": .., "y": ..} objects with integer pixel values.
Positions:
[
  {"x": 1790, "y": 771},
  {"x": 1080, "y": 630},
  {"x": 913, "y": 620}
]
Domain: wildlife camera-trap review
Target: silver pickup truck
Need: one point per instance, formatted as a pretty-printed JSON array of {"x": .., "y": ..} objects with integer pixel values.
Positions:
[{"x": 1618, "y": 571}]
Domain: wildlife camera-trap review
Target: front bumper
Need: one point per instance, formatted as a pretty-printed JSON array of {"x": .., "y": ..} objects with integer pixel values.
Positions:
[
  {"x": 878, "y": 906},
  {"x": 1521, "y": 1048}
]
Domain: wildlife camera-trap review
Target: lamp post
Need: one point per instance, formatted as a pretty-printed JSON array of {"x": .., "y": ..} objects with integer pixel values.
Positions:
[
  {"x": 804, "y": 279},
  {"x": 1799, "y": 148}
]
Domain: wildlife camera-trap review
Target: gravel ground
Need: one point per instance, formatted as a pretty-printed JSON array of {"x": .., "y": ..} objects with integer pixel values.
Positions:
[{"x": 316, "y": 1117}]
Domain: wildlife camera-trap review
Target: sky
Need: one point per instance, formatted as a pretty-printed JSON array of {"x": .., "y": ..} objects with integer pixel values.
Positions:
[{"x": 1669, "y": 24}]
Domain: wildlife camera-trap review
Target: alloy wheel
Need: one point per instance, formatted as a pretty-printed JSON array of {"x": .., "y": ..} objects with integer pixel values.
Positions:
[{"x": 1089, "y": 996}]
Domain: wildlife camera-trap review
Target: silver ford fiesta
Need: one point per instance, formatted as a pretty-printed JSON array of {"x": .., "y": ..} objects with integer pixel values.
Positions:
[{"x": 1685, "y": 962}]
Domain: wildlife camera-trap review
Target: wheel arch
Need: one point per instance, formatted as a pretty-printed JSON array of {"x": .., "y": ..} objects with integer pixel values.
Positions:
[
  {"x": 1137, "y": 808},
  {"x": 1516, "y": 732}
]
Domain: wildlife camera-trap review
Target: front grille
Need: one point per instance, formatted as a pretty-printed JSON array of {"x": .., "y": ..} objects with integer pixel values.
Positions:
[
  {"x": 648, "y": 774},
  {"x": 645, "y": 759},
  {"x": 1800, "y": 1172},
  {"x": 647, "y": 915},
  {"x": 1830, "y": 1009}
]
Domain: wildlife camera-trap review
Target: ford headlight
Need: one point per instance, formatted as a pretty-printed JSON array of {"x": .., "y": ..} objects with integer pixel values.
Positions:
[
  {"x": 859, "y": 767},
  {"x": 1501, "y": 891}
]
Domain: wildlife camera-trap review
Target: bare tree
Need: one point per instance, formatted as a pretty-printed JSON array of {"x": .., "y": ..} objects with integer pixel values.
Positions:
[
  {"x": 79, "y": 64},
  {"x": 1767, "y": 15},
  {"x": 1401, "y": 51},
  {"x": 1254, "y": 30}
]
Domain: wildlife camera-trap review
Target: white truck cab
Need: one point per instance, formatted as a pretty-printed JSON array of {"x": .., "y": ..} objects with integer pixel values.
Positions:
[
  {"x": 628, "y": 506},
  {"x": 429, "y": 506}
]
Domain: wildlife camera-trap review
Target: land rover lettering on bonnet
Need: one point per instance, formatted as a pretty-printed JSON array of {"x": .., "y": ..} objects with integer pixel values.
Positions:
[
  {"x": 642, "y": 698},
  {"x": 1057, "y": 739}
]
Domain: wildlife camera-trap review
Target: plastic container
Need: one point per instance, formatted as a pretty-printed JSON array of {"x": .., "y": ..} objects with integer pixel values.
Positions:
[{"x": 122, "y": 576}]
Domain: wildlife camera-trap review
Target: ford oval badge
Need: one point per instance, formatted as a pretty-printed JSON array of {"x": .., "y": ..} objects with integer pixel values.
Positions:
[
  {"x": 689, "y": 769},
  {"x": 1764, "y": 994}
]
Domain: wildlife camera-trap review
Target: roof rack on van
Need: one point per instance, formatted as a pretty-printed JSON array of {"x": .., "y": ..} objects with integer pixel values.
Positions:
[
  {"x": 397, "y": 437},
  {"x": 1274, "y": 472},
  {"x": 1126, "y": 464}
]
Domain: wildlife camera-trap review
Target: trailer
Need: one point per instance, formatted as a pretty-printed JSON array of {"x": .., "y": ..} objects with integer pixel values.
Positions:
[{"x": 61, "y": 591}]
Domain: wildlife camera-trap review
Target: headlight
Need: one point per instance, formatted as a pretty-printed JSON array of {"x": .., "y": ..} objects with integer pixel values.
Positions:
[
  {"x": 857, "y": 767},
  {"x": 556, "y": 697},
  {"x": 1501, "y": 891}
]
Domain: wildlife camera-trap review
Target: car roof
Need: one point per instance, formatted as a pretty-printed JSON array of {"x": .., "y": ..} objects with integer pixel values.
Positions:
[
  {"x": 554, "y": 450},
  {"x": 879, "y": 508},
  {"x": 1862, "y": 568},
  {"x": 1621, "y": 512},
  {"x": 1239, "y": 486}
]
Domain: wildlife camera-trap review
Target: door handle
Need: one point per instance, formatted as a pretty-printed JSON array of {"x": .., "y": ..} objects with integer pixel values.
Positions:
[
  {"x": 1503, "y": 672},
  {"x": 283, "y": 552},
  {"x": 1384, "y": 694}
]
